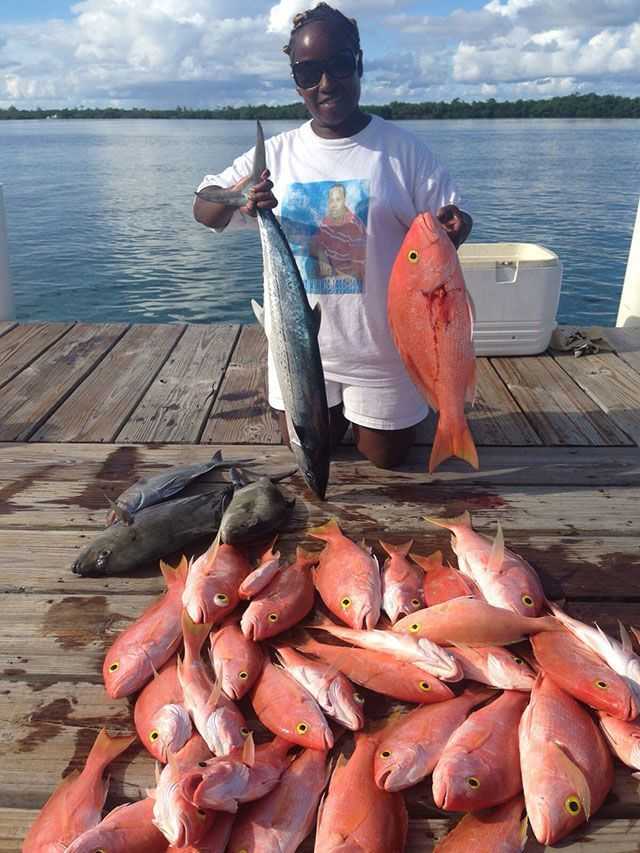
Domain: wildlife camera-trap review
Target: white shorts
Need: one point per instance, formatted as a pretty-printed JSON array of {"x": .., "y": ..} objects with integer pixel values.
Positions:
[{"x": 394, "y": 406}]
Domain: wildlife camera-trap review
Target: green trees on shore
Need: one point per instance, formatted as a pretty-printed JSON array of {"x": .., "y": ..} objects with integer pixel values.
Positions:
[{"x": 569, "y": 106}]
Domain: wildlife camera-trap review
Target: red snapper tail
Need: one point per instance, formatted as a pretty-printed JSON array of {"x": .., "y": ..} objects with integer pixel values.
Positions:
[{"x": 453, "y": 442}]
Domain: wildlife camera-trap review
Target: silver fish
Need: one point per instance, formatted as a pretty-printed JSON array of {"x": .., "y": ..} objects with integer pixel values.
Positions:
[
  {"x": 154, "y": 490},
  {"x": 292, "y": 329}
]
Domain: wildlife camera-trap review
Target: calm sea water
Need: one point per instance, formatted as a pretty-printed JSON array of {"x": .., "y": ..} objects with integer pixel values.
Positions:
[{"x": 100, "y": 223}]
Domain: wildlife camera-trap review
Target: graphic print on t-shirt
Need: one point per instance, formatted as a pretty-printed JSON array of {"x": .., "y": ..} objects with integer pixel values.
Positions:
[{"x": 326, "y": 226}]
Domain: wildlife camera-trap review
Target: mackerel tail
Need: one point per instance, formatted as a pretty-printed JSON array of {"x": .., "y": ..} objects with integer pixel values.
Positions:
[{"x": 292, "y": 330}]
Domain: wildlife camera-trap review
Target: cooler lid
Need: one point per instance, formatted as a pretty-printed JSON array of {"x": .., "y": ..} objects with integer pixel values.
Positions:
[{"x": 487, "y": 255}]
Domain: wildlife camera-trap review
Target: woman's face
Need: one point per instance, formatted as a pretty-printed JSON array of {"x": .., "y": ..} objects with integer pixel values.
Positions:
[{"x": 334, "y": 101}]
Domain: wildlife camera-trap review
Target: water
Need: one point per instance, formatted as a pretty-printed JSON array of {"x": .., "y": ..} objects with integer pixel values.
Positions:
[{"x": 100, "y": 223}]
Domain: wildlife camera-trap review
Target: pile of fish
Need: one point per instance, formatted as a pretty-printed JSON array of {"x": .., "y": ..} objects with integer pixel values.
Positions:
[{"x": 298, "y": 655}]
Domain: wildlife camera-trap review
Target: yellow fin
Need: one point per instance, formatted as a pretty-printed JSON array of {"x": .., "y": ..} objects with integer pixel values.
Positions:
[
  {"x": 496, "y": 557},
  {"x": 399, "y": 550},
  {"x": 463, "y": 520},
  {"x": 433, "y": 561},
  {"x": 328, "y": 531},
  {"x": 249, "y": 751},
  {"x": 458, "y": 443}
]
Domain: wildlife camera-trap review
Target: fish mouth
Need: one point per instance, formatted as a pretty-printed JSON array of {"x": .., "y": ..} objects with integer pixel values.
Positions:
[{"x": 382, "y": 780}]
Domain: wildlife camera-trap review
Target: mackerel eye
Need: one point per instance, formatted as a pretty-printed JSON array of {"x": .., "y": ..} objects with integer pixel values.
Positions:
[
  {"x": 414, "y": 627},
  {"x": 386, "y": 753},
  {"x": 572, "y": 805},
  {"x": 413, "y": 256},
  {"x": 345, "y": 602},
  {"x": 221, "y": 599},
  {"x": 358, "y": 698},
  {"x": 302, "y": 728},
  {"x": 243, "y": 675},
  {"x": 424, "y": 685},
  {"x": 601, "y": 685},
  {"x": 154, "y": 735},
  {"x": 115, "y": 666},
  {"x": 473, "y": 782}
]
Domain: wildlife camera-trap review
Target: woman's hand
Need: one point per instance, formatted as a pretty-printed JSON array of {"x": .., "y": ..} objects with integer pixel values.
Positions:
[
  {"x": 260, "y": 195},
  {"x": 455, "y": 222}
]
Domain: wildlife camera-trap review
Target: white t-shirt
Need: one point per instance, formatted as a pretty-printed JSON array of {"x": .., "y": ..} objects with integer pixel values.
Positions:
[{"x": 345, "y": 206}]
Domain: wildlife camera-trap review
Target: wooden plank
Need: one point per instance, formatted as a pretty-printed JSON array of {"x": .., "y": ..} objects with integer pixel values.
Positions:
[
  {"x": 241, "y": 414},
  {"x": 626, "y": 343},
  {"x": 113, "y": 466},
  {"x": 36, "y": 392},
  {"x": 23, "y": 344},
  {"x": 6, "y": 326},
  {"x": 611, "y": 383},
  {"x": 176, "y": 406},
  {"x": 560, "y": 411}
]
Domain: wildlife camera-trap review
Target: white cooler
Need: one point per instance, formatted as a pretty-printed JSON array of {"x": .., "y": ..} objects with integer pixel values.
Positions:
[{"x": 515, "y": 288}]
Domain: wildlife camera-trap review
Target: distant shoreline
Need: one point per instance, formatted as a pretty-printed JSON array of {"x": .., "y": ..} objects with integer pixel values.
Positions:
[{"x": 568, "y": 106}]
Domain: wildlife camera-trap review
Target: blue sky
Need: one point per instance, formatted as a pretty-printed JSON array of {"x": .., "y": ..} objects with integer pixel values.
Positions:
[{"x": 215, "y": 52}]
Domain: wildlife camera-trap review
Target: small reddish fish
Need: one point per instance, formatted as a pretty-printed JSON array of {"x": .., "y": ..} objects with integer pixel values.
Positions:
[
  {"x": 283, "y": 819},
  {"x": 126, "y": 829},
  {"x": 504, "y": 579},
  {"x": 211, "y": 590},
  {"x": 471, "y": 622},
  {"x": 584, "y": 675},
  {"x": 624, "y": 739},
  {"x": 260, "y": 577},
  {"x": 401, "y": 582},
  {"x": 411, "y": 747},
  {"x": 215, "y": 841},
  {"x": 431, "y": 322},
  {"x": 236, "y": 660},
  {"x": 288, "y": 710},
  {"x": 502, "y": 829},
  {"x": 329, "y": 687},
  {"x": 347, "y": 578},
  {"x": 283, "y": 603},
  {"x": 218, "y": 720},
  {"x": 495, "y": 666},
  {"x": 162, "y": 722},
  {"x": 147, "y": 645},
  {"x": 480, "y": 765},
  {"x": 380, "y": 672},
  {"x": 567, "y": 769},
  {"x": 356, "y": 814},
  {"x": 76, "y": 804},
  {"x": 442, "y": 583}
]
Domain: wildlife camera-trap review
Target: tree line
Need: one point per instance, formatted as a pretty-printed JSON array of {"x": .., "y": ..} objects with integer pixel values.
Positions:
[{"x": 567, "y": 106}]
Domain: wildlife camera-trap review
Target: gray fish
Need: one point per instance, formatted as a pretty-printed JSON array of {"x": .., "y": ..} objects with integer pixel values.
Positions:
[
  {"x": 292, "y": 329},
  {"x": 158, "y": 531},
  {"x": 154, "y": 490},
  {"x": 255, "y": 511}
]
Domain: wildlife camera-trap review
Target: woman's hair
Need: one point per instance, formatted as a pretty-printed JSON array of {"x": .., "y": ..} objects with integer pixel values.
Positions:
[{"x": 324, "y": 12}]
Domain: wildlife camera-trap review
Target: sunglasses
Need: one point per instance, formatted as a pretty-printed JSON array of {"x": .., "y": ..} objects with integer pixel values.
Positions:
[{"x": 308, "y": 74}]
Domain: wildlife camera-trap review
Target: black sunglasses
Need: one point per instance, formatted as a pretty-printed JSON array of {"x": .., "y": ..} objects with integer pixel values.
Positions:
[{"x": 308, "y": 74}]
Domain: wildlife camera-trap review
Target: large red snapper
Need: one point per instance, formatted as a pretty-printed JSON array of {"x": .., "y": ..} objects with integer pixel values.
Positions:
[
  {"x": 380, "y": 672},
  {"x": 411, "y": 747},
  {"x": 211, "y": 590},
  {"x": 430, "y": 317},
  {"x": 347, "y": 578},
  {"x": 279, "y": 822},
  {"x": 357, "y": 815},
  {"x": 441, "y": 583},
  {"x": 480, "y": 765},
  {"x": 236, "y": 660},
  {"x": 401, "y": 582},
  {"x": 283, "y": 602},
  {"x": 471, "y": 622},
  {"x": 126, "y": 829},
  {"x": 503, "y": 578},
  {"x": 162, "y": 722},
  {"x": 583, "y": 674},
  {"x": 288, "y": 710},
  {"x": 76, "y": 804},
  {"x": 567, "y": 769},
  {"x": 498, "y": 830},
  {"x": 149, "y": 643},
  {"x": 262, "y": 575}
]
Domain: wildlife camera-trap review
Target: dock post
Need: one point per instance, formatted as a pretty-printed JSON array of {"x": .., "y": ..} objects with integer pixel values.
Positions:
[
  {"x": 629, "y": 308},
  {"x": 7, "y": 308}
]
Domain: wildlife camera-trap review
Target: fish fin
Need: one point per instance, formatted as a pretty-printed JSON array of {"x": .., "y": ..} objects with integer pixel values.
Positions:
[
  {"x": 259, "y": 155},
  {"x": 249, "y": 751},
  {"x": 476, "y": 738},
  {"x": 328, "y": 531},
  {"x": 400, "y": 550},
  {"x": 625, "y": 639},
  {"x": 194, "y": 635},
  {"x": 171, "y": 574},
  {"x": 258, "y": 310},
  {"x": 317, "y": 316},
  {"x": 302, "y": 555},
  {"x": 463, "y": 520},
  {"x": 524, "y": 832},
  {"x": 496, "y": 557},
  {"x": 458, "y": 443},
  {"x": 575, "y": 774},
  {"x": 117, "y": 512},
  {"x": 106, "y": 748},
  {"x": 433, "y": 561},
  {"x": 635, "y": 632},
  {"x": 216, "y": 693}
]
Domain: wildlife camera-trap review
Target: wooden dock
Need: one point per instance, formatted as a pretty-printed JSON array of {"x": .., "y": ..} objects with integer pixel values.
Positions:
[{"x": 86, "y": 410}]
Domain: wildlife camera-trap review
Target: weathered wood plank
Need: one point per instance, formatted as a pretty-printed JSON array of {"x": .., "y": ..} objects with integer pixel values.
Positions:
[
  {"x": 626, "y": 343},
  {"x": 559, "y": 410},
  {"x": 6, "y": 326},
  {"x": 241, "y": 413},
  {"x": 112, "y": 466},
  {"x": 38, "y": 390},
  {"x": 97, "y": 410},
  {"x": 176, "y": 406},
  {"x": 23, "y": 344},
  {"x": 611, "y": 383}
]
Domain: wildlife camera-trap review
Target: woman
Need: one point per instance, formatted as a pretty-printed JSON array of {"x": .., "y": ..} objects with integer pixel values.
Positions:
[{"x": 387, "y": 176}]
